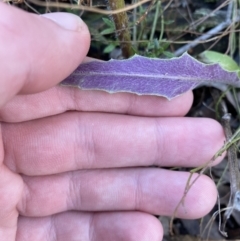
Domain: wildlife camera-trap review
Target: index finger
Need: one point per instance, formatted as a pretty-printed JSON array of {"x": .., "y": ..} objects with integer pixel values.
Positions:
[{"x": 60, "y": 99}]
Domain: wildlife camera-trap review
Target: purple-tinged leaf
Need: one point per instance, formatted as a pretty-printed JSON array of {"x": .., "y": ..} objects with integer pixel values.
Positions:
[{"x": 149, "y": 76}]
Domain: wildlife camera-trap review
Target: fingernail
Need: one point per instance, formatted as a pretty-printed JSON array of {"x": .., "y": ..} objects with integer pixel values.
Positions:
[{"x": 66, "y": 20}]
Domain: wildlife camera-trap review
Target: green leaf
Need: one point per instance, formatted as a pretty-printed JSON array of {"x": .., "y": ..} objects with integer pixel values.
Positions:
[
  {"x": 168, "y": 54},
  {"x": 225, "y": 61},
  {"x": 109, "y": 49},
  {"x": 108, "y": 31},
  {"x": 108, "y": 22}
]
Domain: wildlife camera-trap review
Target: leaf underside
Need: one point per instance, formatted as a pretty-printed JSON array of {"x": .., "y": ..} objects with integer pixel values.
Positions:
[{"x": 149, "y": 76}]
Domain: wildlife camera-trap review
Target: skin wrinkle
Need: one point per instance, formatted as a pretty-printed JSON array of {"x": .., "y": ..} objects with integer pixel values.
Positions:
[
  {"x": 77, "y": 144},
  {"x": 138, "y": 196},
  {"x": 91, "y": 227},
  {"x": 132, "y": 103},
  {"x": 91, "y": 146},
  {"x": 75, "y": 100},
  {"x": 28, "y": 73},
  {"x": 52, "y": 229},
  {"x": 178, "y": 145},
  {"x": 70, "y": 191},
  {"x": 12, "y": 158},
  {"x": 25, "y": 199},
  {"x": 2, "y": 148},
  {"x": 62, "y": 99},
  {"x": 75, "y": 187},
  {"x": 160, "y": 141},
  {"x": 30, "y": 68},
  {"x": 22, "y": 204},
  {"x": 87, "y": 141},
  {"x": 7, "y": 151}
]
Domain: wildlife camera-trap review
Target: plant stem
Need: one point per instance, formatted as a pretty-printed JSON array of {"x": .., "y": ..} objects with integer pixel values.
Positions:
[
  {"x": 162, "y": 24},
  {"x": 154, "y": 24},
  {"x": 134, "y": 27},
  {"x": 121, "y": 25}
]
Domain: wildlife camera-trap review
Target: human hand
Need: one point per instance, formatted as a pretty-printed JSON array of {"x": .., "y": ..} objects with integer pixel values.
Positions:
[{"x": 74, "y": 164}]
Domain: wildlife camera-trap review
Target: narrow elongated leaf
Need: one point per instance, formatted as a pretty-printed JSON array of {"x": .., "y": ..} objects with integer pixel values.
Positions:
[{"x": 149, "y": 76}]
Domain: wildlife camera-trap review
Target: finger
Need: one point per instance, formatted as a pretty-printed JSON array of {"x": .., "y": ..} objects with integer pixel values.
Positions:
[
  {"x": 61, "y": 99},
  {"x": 117, "y": 226},
  {"x": 11, "y": 187},
  {"x": 73, "y": 141},
  {"x": 38, "y": 52},
  {"x": 152, "y": 190}
]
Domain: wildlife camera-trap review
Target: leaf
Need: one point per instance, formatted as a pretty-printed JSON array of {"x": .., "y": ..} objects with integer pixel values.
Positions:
[
  {"x": 225, "y": 61},
  {"x": 108, "y": 22},
  {"x": 108, "y": 31},
  {"x": 149, "y": 76},
  {"x": 111, "y": 26},
  {"x": 108, "y": 49}
]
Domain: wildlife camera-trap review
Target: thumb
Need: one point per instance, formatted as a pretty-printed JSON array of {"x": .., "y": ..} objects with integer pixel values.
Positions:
[{"x": 38, "y": 51}]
